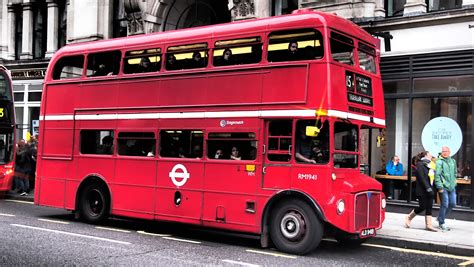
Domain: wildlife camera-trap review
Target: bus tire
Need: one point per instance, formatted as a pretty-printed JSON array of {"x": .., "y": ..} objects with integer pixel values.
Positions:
[
  {"x": 295, "y": 228},
  {"x": 94, "y": 203}
]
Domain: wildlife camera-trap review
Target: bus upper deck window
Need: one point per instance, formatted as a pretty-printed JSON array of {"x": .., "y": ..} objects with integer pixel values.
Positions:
[
  {"x": 237, "y": 51},
  {"x": 103, "y": 64},
  {"x": 68, "y": 67},
  {"x": 142, "y": 61},
  {"x": 342, "y": 49},
  {"x": 190, "y": 56},
  {"x": 366, "y": 58},
  {"x": 305, "y": 44}
]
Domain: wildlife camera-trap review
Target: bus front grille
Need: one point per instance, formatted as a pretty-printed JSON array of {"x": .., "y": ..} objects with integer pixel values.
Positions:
[{"x": 367, "y": 210}]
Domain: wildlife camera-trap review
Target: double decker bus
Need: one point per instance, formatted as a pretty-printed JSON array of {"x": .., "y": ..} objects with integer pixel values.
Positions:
[
  {"x": 7, "y": 131},
  {"x": 253, "y": 126}
]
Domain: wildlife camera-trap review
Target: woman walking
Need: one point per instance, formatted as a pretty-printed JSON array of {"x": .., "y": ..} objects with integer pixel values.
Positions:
[{"x": 424, "y": 172}]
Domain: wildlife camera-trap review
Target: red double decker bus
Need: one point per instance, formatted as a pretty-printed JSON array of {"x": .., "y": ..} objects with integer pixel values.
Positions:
[
  {"x": 7, "y": 131},
  {"x": 252, "y": 126}
]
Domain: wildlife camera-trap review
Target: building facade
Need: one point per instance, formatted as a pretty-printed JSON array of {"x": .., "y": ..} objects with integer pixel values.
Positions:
[{"x": 427, "y": 61}]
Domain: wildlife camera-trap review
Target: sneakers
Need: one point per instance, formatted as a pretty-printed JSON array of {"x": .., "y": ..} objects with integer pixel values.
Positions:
[
  {"x": 444, "y": 227},
  {"x": 24, "y": 194}
]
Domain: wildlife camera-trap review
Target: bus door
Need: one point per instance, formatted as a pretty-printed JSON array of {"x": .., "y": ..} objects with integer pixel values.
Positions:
[
  {"x": 180, "y": 173},
  {"x": 277, "y": 155},
  {"x": 232, "y": 176}
]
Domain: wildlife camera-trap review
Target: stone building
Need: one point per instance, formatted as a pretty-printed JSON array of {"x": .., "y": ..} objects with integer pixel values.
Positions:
[{"x": 427, "y": 56}]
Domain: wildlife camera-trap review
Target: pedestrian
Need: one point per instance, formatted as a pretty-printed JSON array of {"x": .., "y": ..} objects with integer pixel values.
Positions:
[
  {"x": 424, "y": 189},
  {"x": 445, "y": 180},
  {"x": 23, "y": 167}
]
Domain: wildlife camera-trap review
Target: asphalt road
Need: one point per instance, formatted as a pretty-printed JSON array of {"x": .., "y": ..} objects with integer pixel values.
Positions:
[{"x": 32, "y": 235}]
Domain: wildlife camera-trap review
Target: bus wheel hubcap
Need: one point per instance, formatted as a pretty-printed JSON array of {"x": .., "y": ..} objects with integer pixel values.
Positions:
[
  {"x": 95, "y": 202},
  {"x": 292, "y": 226}
]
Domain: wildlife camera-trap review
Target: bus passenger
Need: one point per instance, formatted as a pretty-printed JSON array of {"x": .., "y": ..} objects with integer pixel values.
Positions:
[
  {"x": 293, "y": 53},
  {"x": 171, "y": 63},
  {"x": 145, "y": 65},
  {"x": 197, "y": 152},
  {"x": 235, "y": 154},
  {"x": 197, "y": 61},
  {"x": 101, "y": 71},
  {"x": 219, "y": 154},
  {"x": 227, "y": 57},
  {"x": 107, "y": 146},
  {"x": 303, "y": 147}
]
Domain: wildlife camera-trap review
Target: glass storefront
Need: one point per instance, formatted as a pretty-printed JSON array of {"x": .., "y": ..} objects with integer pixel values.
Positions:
[{"x": 425, "y": 111}]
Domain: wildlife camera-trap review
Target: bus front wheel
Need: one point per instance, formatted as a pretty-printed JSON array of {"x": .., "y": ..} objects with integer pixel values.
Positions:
[
  {"x": 295, "y": 228},
  {"x": 94, "y": 203}
]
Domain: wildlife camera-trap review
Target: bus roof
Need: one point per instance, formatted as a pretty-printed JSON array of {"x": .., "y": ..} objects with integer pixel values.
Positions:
[{"x": 299, "y": 18}]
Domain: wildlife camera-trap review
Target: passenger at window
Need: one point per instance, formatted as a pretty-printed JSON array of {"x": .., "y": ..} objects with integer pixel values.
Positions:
[
  {"x": 303, "y": 146},
  {"x": 293, "y": 53},
  {"x": 219, "y": 154},
  {"x": 181, "y": 153},
  {"x": 227, "y": 57},
  {"x": 107, "y": 145},
  {"x": 197, "y": 61},
  {"x": 235, "y": 154},
  {"x": 101, "y": 71},
  {"x": 145, "y": 65},
  {"x": 171, "y": 63},
  {"x": 197, "y": 152},
  {"x": 318, "y": 154}
]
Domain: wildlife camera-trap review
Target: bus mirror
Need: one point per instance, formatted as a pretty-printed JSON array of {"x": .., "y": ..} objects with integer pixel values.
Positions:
[{"x": 312, "y": 131}]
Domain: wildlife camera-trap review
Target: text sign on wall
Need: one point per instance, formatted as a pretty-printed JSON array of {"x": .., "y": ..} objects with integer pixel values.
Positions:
[{"x": 441, "y": 131}]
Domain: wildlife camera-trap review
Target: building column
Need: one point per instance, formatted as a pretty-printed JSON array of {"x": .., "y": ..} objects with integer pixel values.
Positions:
[
  {"x": 414, "y": 7},
  {"x": 11, "y": 32},
  {"x": 262, "y": 8},
  {"x": 379, "y": 9},
  {"x": 27, "y": 41},
  {"x": 53, "y": 30}
]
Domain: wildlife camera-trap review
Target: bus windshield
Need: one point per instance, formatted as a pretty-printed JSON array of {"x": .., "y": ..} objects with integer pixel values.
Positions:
[
  {"x": 4, "y": 92},
  {"x": 345, "y": 145}
]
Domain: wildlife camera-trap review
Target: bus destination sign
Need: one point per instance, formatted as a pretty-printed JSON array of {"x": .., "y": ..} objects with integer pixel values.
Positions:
[{"x": 359, "y": 88}]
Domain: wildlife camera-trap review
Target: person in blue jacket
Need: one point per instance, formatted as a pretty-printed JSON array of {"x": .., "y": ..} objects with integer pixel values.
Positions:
[{"x": 393, "y": 167}]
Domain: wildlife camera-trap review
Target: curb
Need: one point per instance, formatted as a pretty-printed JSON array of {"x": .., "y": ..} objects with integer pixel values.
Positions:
[{"x": 415, "y": 244}]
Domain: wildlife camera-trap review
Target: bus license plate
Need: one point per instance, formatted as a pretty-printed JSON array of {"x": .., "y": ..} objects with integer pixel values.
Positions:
[{"x": 367, "y": 232}]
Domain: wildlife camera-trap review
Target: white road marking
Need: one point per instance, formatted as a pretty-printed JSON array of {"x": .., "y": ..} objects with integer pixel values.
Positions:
[
  {"x": 271, "y": 254},
  {"x": 152, "y": 234},
  {"x": 471, "y": 262},
  {"x": 181, "y": 240},
  {"x": 19, "y": 201},
  {"x": 53, "y": 221},
  {"x": 414, "y": 251},
  {"x": 112, "y": 229},
  {"x": 71, "y": 234},
  {"x": 241, "y": 263},
  {"x": 7, "y": 215}
]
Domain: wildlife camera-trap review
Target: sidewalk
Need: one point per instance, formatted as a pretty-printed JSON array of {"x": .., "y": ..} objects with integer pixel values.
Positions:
[{"x": 458, "y": 241}]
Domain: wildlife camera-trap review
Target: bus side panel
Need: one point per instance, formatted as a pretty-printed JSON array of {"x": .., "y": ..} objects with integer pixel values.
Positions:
[
  {"x": 238, "y": 88},
  {"x": 52, "y": 192},
  {"x": 230, "y": 194},
  {"x": 98, "y": 94},
  {"x": 286, "y": 85},
  {"x": 58, "y": 141},
  {"x": 145, "y": 93},
  {"x": 183, "y": 91},
  {"x": 189, "y": 191}
]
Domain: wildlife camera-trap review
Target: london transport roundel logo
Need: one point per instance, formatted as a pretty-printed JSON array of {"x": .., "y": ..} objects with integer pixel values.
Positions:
[
  {"x": 179, "y": 175},
  {"x": 223, "y": 123}
]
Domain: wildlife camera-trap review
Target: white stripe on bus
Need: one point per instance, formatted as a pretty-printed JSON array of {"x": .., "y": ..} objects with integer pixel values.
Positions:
[{"x": 212, "y": 114}]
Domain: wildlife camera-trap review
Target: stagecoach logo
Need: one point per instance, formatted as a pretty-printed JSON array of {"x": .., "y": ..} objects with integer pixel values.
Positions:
[
  {"x": 224, "y": 123},
  {"x": 179, "y": 172}
]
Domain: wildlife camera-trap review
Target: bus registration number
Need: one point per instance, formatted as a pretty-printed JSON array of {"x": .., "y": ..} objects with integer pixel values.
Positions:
[{"x": 367, "y": 232}]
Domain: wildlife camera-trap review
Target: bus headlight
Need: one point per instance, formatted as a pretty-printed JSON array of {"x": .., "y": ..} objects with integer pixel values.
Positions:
[
  {"x": 341, "y": 206},
  {"x": 384, "y": 203}
]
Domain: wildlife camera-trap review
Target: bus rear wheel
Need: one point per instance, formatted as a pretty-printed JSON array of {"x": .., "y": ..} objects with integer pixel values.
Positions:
[
  {"x": 94, "y": 203},
  {"x": 295, "y": 228}
]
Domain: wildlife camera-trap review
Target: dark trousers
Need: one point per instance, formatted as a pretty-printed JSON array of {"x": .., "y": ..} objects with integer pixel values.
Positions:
[{"x": 425, "y": 203}]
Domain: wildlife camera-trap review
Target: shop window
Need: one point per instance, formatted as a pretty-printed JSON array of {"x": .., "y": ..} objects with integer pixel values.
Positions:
[
  {"x": 68, "y": 67},
  {"x": 19, "y": 97},
  {"x": 190, "y": 56},
  {"x": 451, "y": 84},
  {"x": 280, "y": 134},
  {"x": 232, "y": 146},
  {"x": 438, "y": 5},
  {"x": 142, "y": 61},
  {"x": 312, "y": 148},
  {"x": 97, "y": 142},
  {"x": 396, "y": 86},
  {"x": 342, "y": 48},
  {"x": 237, "y": 51},
  {"x": 181, "y": 143},
  {"x": 103, "y": 64},
  {"x": 140, "y": 144},
  {"x": 295, "y": 45},
  {"x": 34, "y": 96}
]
